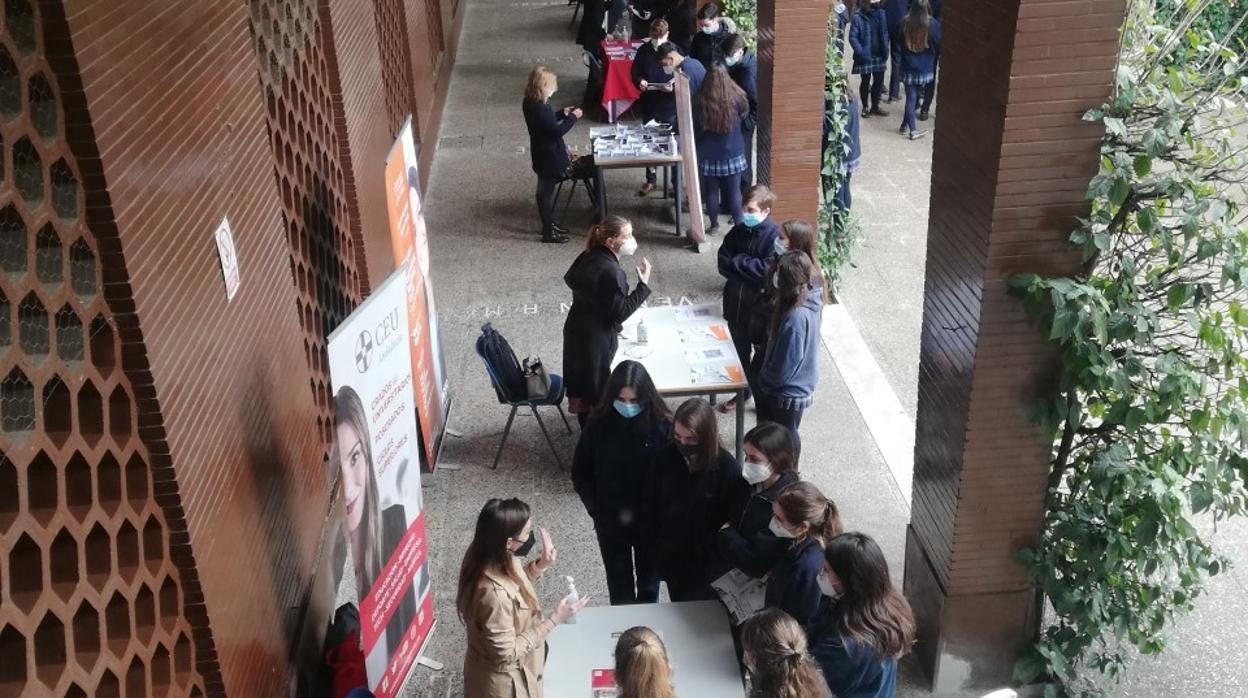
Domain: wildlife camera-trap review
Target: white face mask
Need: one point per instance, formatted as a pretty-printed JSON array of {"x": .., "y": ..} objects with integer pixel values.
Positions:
[
  {"x": 755, "y": 473},
  {"x": 826, "y": 587},
  {"x": 551, "y": 94},
  {"x": 629, "y": 247},
  {"x": 710, "y": 28},
  {"x": 779, "y": 530},
  {"x": 661, "y": 40}
]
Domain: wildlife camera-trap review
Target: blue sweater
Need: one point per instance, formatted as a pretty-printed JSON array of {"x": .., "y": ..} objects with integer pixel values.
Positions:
[
  {"x": 794, "y": 583},
  {"x": 696, "y": 73},
  {"x": 851, "y": 669},
  {"x": 790, "y": 368},
  {"x": 922, "y": 62}
]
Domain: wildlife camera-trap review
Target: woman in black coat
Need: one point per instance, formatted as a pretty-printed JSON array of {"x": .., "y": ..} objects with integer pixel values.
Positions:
[
  {"x": 601, "y": 302},
  {"x": 627, "y": 427},
  {"x": 546, "y": 146},
  {"x": 690, "y": 493}
]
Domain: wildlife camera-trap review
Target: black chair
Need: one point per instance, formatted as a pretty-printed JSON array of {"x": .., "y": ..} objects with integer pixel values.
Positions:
[
  {"x": 591, "y": 101},
  {"x": 553, "y": 399},
  {"x": 583, "y": 175}
]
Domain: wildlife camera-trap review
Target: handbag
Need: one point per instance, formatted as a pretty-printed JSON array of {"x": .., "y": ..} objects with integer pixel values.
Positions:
[{"x": 536, "y": 379}]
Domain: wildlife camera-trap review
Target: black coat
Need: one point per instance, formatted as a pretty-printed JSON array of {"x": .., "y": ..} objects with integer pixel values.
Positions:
[
  {"x": 591, "y": 33},
  {"x": 682, "y": 23},
  {"x": 685, "y": 510},
  {"x": 743, "y": 259},
  {"x": 546, "y": 146},
  {"x": 748, "y": 543},
  {"x": 653, "y": 104},
  {"x": 601, "y": 303},
  {"x": 745, "y": 74},
  {"x": 708, "y": 48},
  {"x": 609, "y": 469},
  {"x": 794, "y": 584}
]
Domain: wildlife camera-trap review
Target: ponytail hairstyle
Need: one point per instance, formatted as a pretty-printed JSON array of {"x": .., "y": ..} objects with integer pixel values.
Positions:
[
  {"x": 774, "y": 646},
  {"x": 802, "y": 238},
  {"x": 790, "y": 279},
  {"x": 499, "y": 520},
  {"x": 871, "y": 610},
  {"x": 609, "y": 229},
  {"x": 803, "y": 503},
  {"x": 642, "y": 669},
  {"x": 776, "y": 443},
  {"x": 916, "y": 26}
]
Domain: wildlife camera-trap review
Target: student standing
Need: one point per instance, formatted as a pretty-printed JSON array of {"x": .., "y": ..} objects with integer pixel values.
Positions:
[
  {"x": 591, "y": 33},
  {"x": 921, "y": 42},
  {"x": 719, "y": 112},
  {"x": 774, "y": 650},
  {"x": 746, "y": 542},
  {"x": 868, "y": 35},
  {"x": 743, "y": 67},
  {"x": 929, "y": 90},
  {"x": 743, "y": 258},
  {"x": 682, "y": 17},
  {"x": 894, "y": 11},
  {"x": 658, "y": 98},
  {"x": 858, "y": 639},
  {"x": 808, "y": 519},
  {"x": 690, "y": 484},
  {"x": 612, "y": 460},
  {"x": 601, "y": 302},
  {"x": 790, "y": 369},
  {"x": 672, "y": 60},
  {"x": 713, "y": 30},
  {"x": 496, "y": 601},
  {"x": 546, "y": 147},
  {"x": 642, "y": 669},
  {"x": 797, "y": 234},
  {"x": 642, "y": 13}
]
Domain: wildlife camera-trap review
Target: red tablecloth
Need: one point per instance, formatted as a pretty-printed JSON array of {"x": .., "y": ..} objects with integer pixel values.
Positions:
[{"x": 618, "y": 90}]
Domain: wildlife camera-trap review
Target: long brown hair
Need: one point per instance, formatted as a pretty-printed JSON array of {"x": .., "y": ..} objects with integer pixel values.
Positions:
[
  {"x": 642, "y": 669},
  {"x": 803, "y": 503},
  {"x": 916, "y": 26},
  {"x": 499, "y": 520},
  {"x": 349, "y": 410},
  {"x": 697, "y": 415},
  {"x": 802, "y": 237},
  {"x": 775, "y": 442},
  {"x": 790, "y": 277},
  {"x": 781, "y": 665},
  {"x": 541, "y": 81},
  {"x": 611, "y": 227},
  {"x": 871, "y": 610},
  {"x": 721, "y": 103}
]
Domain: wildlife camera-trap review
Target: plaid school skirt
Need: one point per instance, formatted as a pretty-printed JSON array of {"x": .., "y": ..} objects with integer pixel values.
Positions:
[
  {"x": 875, "y": 65},
  {"x": 917, "y": 78},
  {"x": 722, "y": 168}
]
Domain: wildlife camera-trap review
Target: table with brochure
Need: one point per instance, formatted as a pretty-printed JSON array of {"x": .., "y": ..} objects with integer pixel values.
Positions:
[
  {"x": 688, "y": 352},
  {"x": 696, "y": 634},
  {"x": 629, "y": 146}
]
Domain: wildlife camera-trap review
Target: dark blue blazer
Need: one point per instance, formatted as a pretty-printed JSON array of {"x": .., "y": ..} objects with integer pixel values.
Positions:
[
  {"x": 894, "y": 11},
  {"x": 546, "y": 146},
  {"x": 743, "y": 259},
  {"x": 693, "y": 68},
  {"x": 868, "y": 35},
  {"x": 745, "y": 74},
  {"x": 794, "y": 584},
  {"x": 653, "y": 104},
  {"x": 852, "y": 670},
  {"x": 922, "y": 62}
]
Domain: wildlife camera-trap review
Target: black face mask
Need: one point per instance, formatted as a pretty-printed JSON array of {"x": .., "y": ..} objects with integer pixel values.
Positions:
[
  {"x": 525, "y": 547},
  {"x": 687, "y": 450}
]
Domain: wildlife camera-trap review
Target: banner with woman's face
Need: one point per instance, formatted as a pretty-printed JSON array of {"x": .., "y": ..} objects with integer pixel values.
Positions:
[{"x": 377, "y": 456}]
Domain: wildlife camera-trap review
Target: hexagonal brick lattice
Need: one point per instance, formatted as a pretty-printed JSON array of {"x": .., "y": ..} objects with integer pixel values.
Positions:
[
  {"x": 56, "y": 411},
  {"x": 17, "y": 403},
  {"x": 42, "y": 483},
  {"x": 64, "y": 191},
  {"x": 98, "y": 553},
  {"x": 19, "y": 19},
  {"x": 144, "y": 614},
  {"x": 70, "y": 343},
  {"x": 43, "y": 110},
  {"x": 82, "y": 269},
  {"x": 13, "y": 241},
  {"x": 28, "y": 172},
  {"x": 86, "y": 636},
  {"x": 10, "y": 86},
  {"x": 50, "y": 650},
  {"x": 32, "y": 327},
  {"x": 90, "y": 414},
  {"x": 109, "y": 686},
  {"x": 6, "y": 322},
  {"x": 153, "y": 545},
  {"x": 103, "y": 351},
  {"x": 136, "y": 679},
  {"x": 137, "y": 483},
  {"x": 8, "y": 493},
  {"x": 127, "y": 551},
  {"x": 108, "y": 477},
  {"x": 119, "y": 426},
  {"x": 49, "y": 257},
  {"x": 170, "y": 605},
  {"x": 63, "y": 564},
  {"x": 78, "y": 487},
  {"x": 13, "y": 668},
  {"x": 161, "y": 670},
  {"x": 117, "y": 624}
]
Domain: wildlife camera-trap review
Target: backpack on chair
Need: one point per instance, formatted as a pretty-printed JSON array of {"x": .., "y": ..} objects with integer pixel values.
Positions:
[{"x": 508, "y": 376}]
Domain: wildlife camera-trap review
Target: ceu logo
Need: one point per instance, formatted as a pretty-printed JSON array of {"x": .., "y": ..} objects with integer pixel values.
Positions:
[{"x": 363, "y": 351}]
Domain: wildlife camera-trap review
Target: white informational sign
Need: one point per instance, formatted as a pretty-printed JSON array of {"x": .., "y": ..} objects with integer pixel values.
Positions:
[
  {"x": 229, "y": 258},
  {"x": 376, "y": 451}
]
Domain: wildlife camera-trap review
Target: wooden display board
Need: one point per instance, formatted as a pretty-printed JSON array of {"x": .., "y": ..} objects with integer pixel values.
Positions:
[{"x": 689, "y": 153}]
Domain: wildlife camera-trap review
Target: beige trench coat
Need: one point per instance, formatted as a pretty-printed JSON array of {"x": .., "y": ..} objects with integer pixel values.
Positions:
[{"x": 506, "y": 641}]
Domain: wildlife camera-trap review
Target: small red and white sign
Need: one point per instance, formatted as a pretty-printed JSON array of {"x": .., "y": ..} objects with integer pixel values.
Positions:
[{"x": 228, "y": 257}]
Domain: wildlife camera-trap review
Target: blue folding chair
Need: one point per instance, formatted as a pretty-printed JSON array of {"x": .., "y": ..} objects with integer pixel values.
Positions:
[{"x": 553, "y": 399}]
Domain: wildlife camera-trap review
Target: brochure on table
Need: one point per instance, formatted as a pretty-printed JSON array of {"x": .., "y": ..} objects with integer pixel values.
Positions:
[
  {"x": 376, "y": 453},
  {"x": 688, "y": 347}
]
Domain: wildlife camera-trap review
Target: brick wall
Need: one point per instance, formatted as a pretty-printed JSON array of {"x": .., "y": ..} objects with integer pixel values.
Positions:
[{"x": 1011, "y": 161}]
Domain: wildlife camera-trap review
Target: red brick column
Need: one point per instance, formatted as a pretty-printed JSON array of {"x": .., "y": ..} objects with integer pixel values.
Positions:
[
  {"x": 792, "y": 36},
  {"x": 1011, "y": 162}
]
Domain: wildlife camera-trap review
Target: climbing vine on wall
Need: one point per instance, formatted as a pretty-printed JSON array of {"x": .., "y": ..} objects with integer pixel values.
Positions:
[
  {"x": 1149, "y": 405},
  {"x": 838, "y": 228}
]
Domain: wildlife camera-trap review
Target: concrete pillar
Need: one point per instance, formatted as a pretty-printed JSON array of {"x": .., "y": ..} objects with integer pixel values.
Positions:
[
  {"x": 792, "y": 36},
  {"x": 1011, "y": 162}
]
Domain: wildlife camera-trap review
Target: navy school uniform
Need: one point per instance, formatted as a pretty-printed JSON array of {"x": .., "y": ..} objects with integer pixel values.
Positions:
[
  {"x": 851, "y": 669},
  {"x": 695, "y": 71},
  {"x": 743, "y": 259},
  {"x": 708, "y": 48},
  {"x": 794, "y": 583},
  {"x": 659, "y": 105},
  {"x": 747, "y": 543},
  {"x": 745, "y": 74},
  {"x": 868, "y": 35},
  {"x": 919, "y": 67}
]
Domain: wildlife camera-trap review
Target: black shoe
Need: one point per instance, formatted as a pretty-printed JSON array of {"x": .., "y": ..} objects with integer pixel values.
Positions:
[
  {"x": 866, "y": 113},
  {"x": 712, "y": 231},
  {"x": 556, "y": 237},
  {"x": 923, "y": 116},
  {"x": 558, "y": 228},
  {"x": 878, "y": 112}
]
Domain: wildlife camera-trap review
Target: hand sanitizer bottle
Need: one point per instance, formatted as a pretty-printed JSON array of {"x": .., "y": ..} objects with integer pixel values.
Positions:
[
  {"x": 643, "y": 334},
  {"x": 572, "y": 597}
]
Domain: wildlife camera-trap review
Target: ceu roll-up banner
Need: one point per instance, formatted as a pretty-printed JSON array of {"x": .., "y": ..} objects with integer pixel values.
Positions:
[
  {"x": 410, "y": 242},
  {"x": 377, "y": 455}
]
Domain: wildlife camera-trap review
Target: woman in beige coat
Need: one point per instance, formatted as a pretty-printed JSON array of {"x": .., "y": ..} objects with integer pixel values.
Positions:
[{"x": 506, "y": 632}]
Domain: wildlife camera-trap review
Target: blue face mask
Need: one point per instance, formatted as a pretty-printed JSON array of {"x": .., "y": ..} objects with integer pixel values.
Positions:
[
  {"x": 627, "y": 410},
  {"x": 751, "y": 220},
  {"x": 731, "y": 60},
  {"x": 780, "y": 248}
]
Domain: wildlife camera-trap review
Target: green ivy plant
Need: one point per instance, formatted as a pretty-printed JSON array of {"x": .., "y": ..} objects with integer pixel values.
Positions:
[
  {"x": 1149, "y": 403},
  {"x": 838, "y": 228},
  {"x": 745, "y": 14}
]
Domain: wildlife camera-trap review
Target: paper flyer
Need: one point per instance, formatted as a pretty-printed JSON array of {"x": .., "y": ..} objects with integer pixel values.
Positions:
[{"x": 742, "y": 594}]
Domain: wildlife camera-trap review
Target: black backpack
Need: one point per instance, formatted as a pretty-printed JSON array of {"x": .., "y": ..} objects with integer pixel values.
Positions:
[{"x": 502, "y": 364}]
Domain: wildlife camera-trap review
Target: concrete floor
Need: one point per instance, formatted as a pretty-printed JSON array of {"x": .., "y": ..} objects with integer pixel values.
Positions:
[{"x": 488, "y": 266}]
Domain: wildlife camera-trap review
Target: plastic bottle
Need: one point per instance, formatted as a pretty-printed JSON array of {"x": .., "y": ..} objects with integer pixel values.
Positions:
[
  {"x": 571, "y": 598},
  {"x": 643, "y": 334}
]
